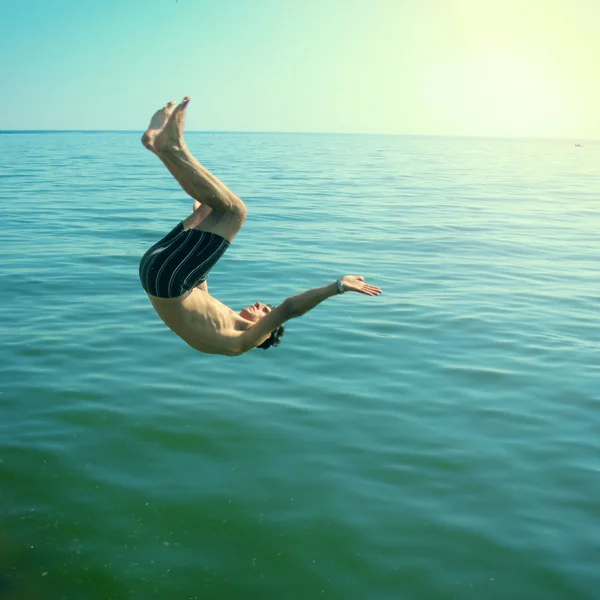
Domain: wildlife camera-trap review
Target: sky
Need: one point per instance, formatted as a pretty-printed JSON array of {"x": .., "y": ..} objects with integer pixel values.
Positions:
[{"x": 417, "y": 67}]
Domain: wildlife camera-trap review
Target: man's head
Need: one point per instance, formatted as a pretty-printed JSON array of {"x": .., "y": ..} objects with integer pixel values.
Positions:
[{"x": 255, "y": 312}]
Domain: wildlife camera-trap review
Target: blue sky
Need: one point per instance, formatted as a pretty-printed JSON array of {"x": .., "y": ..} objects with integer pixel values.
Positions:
[{"x": 434, "y": 67}]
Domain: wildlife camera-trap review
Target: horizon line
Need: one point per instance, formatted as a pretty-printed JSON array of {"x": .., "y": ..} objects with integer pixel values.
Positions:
[{"x": 258, "y": 132}]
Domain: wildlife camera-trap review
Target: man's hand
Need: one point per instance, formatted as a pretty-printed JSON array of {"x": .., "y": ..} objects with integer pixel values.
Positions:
[{"x": 356, "y": 283}]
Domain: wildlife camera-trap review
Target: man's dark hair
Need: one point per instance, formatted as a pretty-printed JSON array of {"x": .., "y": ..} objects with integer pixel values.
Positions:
[{"x": 275, "y": 338}]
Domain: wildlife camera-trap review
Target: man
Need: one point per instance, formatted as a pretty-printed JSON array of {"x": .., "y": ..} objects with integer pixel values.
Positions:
[{"x": 173, "y": 271}]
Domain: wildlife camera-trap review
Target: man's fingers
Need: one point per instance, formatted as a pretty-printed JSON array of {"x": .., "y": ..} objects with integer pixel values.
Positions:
[
  {"x": 370, "y": 291},
  {"x": 372, "y": 288}
]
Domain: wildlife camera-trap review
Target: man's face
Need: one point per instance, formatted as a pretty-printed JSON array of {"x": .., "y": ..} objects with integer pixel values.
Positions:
[{"x": 255, "y": 312}]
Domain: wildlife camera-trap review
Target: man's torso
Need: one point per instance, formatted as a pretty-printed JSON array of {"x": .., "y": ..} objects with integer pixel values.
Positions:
[{"x": 203, "y": 322}]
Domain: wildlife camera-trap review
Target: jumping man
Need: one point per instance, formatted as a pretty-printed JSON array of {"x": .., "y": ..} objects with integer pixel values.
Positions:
[{"x": 173, "y": 271}]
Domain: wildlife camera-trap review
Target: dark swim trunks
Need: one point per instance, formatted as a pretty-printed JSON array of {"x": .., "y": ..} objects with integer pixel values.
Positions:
[{"x": 180, "y": 261}]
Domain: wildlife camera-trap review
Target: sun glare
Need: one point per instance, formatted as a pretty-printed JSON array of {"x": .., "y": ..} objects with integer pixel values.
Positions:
[
  {"x": 515, "y": 94},
  {"x": 497, "y": 92}
]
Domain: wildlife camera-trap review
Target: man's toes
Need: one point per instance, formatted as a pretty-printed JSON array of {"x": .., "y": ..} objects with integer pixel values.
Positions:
[
  {"x": 181, "y": 107},
  {"x": 178, "y": 114},
  {"x": 167, "y": 111}
]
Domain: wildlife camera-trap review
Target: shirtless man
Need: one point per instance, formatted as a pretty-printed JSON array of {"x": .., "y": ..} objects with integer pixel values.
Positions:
[{"x": 173, "y": 271}]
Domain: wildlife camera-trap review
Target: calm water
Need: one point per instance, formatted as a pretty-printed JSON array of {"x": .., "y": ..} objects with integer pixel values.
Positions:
[{"x": 440, "y": 441}]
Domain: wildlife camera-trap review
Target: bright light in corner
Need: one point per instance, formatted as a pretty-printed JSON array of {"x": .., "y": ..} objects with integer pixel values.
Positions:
[{"x": 498, "y": 92}]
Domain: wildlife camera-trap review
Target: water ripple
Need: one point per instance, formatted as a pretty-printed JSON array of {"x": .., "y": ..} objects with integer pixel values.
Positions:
[{"x": 438, "y": 441}]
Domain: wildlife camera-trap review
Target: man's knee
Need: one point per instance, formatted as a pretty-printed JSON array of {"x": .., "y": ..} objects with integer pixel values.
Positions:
[{"x": 239, "y": 209}]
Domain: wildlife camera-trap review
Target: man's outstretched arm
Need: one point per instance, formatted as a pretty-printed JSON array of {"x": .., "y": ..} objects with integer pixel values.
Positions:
[{"x": 296, "y": 306}]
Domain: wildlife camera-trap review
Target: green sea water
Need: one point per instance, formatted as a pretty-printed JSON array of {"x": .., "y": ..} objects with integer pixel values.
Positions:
[{"x": 441, "y": 441}]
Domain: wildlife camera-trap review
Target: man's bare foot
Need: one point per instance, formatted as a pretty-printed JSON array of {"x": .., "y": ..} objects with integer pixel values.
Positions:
[
  {"x": 156, "y": 124},
  {"x": 170, "y": 136}
]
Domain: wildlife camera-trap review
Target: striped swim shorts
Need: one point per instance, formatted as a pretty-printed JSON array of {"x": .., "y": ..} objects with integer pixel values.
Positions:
[{"x": 180, "y": 261}]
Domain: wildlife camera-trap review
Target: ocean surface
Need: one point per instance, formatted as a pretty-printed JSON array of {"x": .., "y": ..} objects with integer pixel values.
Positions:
[{"x": 441, "y": 441}]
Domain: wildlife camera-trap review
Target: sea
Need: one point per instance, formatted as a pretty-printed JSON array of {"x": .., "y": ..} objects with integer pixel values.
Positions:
[{"x": 440, "y": 441}]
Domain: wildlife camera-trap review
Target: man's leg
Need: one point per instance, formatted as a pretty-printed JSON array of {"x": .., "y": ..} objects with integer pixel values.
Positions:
[{"x": 217, "y": 208}]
